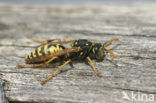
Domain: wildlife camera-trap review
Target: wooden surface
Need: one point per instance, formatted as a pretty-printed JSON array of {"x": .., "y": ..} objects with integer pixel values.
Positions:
[
  {"x": 135, "y": 26},
  {"x": 2, "y": 100}
]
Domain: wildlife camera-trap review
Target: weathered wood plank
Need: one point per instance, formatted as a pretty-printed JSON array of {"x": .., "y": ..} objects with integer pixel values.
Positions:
[
  {"x": 136, "y": 56},
  {"x": 2, "y": 100}
]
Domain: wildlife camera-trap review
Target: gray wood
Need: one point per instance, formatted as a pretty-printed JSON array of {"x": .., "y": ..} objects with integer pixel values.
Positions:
[
  {"x": 1, "y": 92},
  {"x": 135, "y": 26}
]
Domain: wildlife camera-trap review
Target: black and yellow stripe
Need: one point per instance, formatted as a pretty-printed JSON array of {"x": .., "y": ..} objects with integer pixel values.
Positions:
[{"x": 42, "y": 51}]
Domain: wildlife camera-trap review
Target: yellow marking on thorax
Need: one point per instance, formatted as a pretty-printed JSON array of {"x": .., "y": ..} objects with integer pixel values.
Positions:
[
  {"x": 93, "y": 50},
  {"x": 45, "y": 49},
  {"x": 34, "y": 55},
  {"x": 81, "y": 53},
  {"x": 38, "y": 51}
]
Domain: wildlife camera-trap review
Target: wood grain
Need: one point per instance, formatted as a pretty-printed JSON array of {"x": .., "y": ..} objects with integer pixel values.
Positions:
[
  {"x": 2, "y": 99},
  {"x": 136, "y": 55}
]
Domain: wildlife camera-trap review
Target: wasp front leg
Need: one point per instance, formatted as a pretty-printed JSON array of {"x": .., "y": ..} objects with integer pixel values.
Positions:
[
  {"x": 93, "y": 66},
  {"x": 110, "y": 52}
]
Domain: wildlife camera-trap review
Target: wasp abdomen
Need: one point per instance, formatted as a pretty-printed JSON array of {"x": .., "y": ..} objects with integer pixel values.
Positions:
[{"x": 37, "y": 55}]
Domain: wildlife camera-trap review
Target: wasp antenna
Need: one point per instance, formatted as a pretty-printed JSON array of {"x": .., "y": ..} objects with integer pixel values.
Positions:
[
  {"x": 115, "y": 47},
  {"x": 28, "y": 36},
  {"x": 110, "y": 42},
  {"x": 115, "y": 39}
]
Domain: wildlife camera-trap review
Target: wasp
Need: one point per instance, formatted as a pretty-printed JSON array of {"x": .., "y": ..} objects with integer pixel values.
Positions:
[{"x": 51, "y": 51}]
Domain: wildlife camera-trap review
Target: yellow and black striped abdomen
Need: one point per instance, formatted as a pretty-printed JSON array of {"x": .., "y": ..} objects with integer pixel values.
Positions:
[{"x": 37, "y": 55}]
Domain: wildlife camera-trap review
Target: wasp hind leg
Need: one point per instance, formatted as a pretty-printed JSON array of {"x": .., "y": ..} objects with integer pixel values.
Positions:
[
  {"x": 57, "y": 70},
  {"x": 43, "y": 41},
  {"x": 37, "y": 65},
  {"x": 93, "y": 66},
  {"x": 51, "y": 41}
]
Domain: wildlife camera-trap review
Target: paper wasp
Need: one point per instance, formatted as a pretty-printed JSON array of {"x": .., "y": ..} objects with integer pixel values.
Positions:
[{"x": 81, "y": 49}]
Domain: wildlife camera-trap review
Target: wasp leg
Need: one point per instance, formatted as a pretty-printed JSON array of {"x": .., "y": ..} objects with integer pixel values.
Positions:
[
  {"x": 110, "y": 52},
  {"x": 58, "y": 69},
  {"x": 37, "y": 65},
  {"x": 43, "y": 41},
  {"x": 51, "y": 41},
  {"x": 95, "y": 70},
  {"x": 110, "y": 42},
  {"x": 64, "y": 42}
]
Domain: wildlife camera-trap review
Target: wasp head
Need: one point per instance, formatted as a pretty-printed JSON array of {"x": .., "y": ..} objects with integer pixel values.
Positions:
[{"x": 98, "y": 51}]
